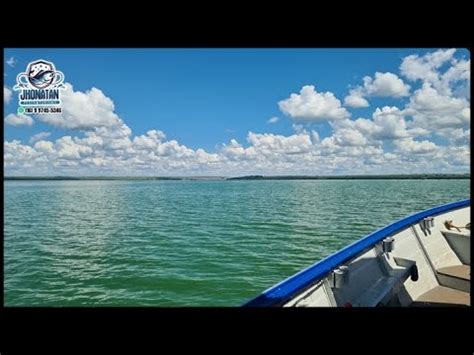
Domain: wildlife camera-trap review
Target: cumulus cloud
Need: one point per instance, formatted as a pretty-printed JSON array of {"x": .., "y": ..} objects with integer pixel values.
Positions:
[
  {"x": 460, "y": 70},
  {"x": 432, "y": 111},
  {"x": 84, "y": 110},
  {"x": 149, "y": 140},
  {"x": 7, "y": 95},
  {"x": 387, "y": 123},
  {"x": 19, "y": 156},
  {"x": 348, "y": 150},
  {"x": 39, "y": 136},
  {"x": 356, "y": 99},
  {"x": 310, "y": 105},
  {"x": 456, "y": 136},
  {"x": 456, "y": 156},
  {"x": 273, "y": 119},
  {"x": 347, "y": 143},
  {"x": 414, "y": 67},
  {"x": 411, "y": 146},
  {"x": 44, "y": 146},
  {"x": 71, "y": 149},
  {"x": 114, "y": 150},
  {"x": 385, "y": 85},
  {"x": 267, "y": 142},
  {"x": 381, "y": 85},
  {"x": 427, "y": 68},
  {"x": 441, "y": 105},
  {"x": 18, "y": 120},
  {"x": 349, "y": 137}
]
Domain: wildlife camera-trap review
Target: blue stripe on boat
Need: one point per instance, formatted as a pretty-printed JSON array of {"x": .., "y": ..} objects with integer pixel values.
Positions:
[{"x": 286, "y": 289}]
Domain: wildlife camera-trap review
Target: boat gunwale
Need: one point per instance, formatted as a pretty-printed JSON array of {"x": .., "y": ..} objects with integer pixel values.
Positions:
[{"x": 283, "y": 291}]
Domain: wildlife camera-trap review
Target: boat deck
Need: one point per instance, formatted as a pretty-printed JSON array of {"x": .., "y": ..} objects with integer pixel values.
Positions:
[
  {"x": 462, "y": 272},
  {"x": 443, "y": 297}
]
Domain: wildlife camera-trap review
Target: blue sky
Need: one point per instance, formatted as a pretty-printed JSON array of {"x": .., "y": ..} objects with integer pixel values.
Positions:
[{"x": 203, "y": 98}]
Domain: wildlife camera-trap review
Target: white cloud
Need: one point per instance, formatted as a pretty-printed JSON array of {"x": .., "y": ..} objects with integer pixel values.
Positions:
[
  {"x": 12, "y": 62},
  {"x": 351, "y": 137},
  {"x": 69, "y": 148},
  {"x": 173, "y": 149},
  {"x": 268, "y": 142},
  {"x": 461, "y": 70},
  {"x": 385, "y": 85},
  {"x": 457, "y": 156},
  {"x": 411, "y": 146},
  {"x": 387, "y": 123},
  {"x": 150, "y": 140},
  {"x": 382, "y": 85},
  {"x": 348, "y": 150},
  {"x": 427, "y": 69},
  {"x": 442, "y": 105},
  {"x": 18, "y": 120},
  {"x": 310, "y": 105},
  {"x": 233, "y": 149},
  {"x": 432, "y": 111},
  {"x": 16, "y": 154},
  {"x": 84, "y": 111},
  {"x": 7, "y": 95},
  {"x": 415, "y": 67},
  {"x": 390, "y": 123},
  {"x": 39, "y": 136},
  {"x": 456, "y": 136},
  {"x": 273, "y": 119},
  {"x": 356, "y": 99},
  {"x": 44, "y": 146},
  {"x": 347, "y": 144},
  {"x": 466, "y": 114}
]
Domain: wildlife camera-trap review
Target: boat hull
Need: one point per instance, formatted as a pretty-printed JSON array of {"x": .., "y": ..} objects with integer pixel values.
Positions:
[{"x": 394, "y": 266}]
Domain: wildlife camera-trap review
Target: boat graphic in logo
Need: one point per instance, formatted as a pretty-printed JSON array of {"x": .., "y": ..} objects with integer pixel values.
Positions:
[{"x": 40, "y": 74}]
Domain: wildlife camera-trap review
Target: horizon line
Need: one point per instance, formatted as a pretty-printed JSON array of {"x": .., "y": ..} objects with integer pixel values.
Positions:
[{"x": 223, "y": 177}]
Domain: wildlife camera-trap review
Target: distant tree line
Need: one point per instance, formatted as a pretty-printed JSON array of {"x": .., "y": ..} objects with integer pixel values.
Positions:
[
  {"x": 251, "y": 177},
  {"x": 354, "y": 177}
]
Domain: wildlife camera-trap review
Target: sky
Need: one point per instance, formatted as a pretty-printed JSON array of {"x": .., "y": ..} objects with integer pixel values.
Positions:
[{"x": 231, "y": 112}]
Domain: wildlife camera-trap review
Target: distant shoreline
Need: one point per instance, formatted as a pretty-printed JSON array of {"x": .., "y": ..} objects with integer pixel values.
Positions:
[{"x": 250, "y": 177}]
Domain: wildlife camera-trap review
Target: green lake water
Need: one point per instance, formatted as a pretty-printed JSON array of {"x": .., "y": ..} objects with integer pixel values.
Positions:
[{"x": 188, "y": 243}]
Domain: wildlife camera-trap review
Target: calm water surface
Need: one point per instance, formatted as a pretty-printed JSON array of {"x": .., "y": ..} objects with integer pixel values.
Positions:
[{"x": 187, "y": 243}]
